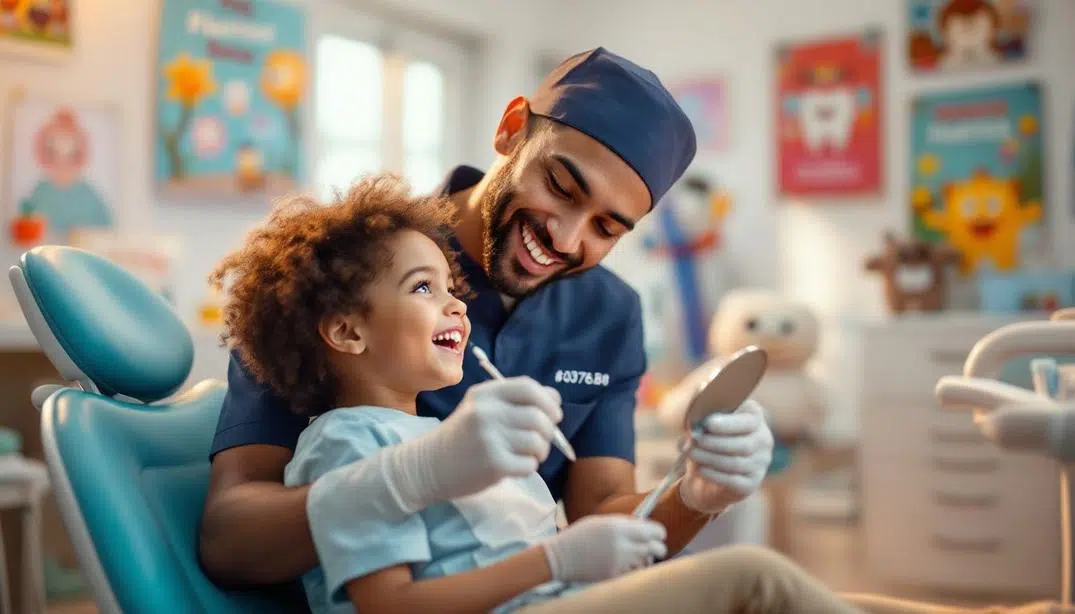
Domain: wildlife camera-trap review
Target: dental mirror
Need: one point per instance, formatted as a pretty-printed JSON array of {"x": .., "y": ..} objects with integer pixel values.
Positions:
[
  {"x": 728, "y": 385},
  {"x": 722, "y": 391}
]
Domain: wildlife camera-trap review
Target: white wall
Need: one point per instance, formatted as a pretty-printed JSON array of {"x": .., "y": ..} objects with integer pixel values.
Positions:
[
  {"x": 815, "y": 251},
  {"x": 114, "y": 64}
]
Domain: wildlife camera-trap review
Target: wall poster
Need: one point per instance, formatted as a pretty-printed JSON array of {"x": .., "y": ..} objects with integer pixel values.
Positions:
[
  {"x": 63, "y": 168},
  {"x": 977, "y": 174},
  {"x": 231, "y": 84},
  {"x": 953, "y": 35},
  {"x": 829, "y": 116}
]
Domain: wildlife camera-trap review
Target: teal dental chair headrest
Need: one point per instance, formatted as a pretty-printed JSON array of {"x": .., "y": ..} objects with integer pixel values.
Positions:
[
  {"x": 130, "y": 484},
  {"x": 100, "y": 326}
]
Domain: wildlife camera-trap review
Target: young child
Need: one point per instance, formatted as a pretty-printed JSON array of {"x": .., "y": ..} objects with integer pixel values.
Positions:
[{"x": 349, "y": 311}]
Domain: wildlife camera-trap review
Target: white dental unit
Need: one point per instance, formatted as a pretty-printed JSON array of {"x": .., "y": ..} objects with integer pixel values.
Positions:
[
  {"x": 1019, "y": 421},
  {"x": 984, "y": 507},
  {"x": 943, "y": 510}
]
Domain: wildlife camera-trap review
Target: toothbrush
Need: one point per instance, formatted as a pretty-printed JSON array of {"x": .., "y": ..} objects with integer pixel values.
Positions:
[{"x": 558, "y": 439}]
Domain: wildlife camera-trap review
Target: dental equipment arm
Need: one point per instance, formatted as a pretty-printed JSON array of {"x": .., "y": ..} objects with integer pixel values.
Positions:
[
  {"x": 1046, "y": 337},
  {"x": 982, "y": 395},
  {"x": 1042, "y": 427}
]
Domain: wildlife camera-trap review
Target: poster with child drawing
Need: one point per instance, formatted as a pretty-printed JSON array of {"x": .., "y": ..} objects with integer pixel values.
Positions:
[
  {"x": 36, "y": 28},
  {"x": 64, "y": 168},
  {"x": 955, "y": 35},
  {"x": 829, "y": 116},
  {"x": 977, "y": 174},
  {"x": 231, "y": 87}
]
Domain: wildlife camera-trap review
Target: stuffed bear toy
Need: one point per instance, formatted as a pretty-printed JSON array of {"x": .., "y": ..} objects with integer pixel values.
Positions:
[
  {"x": 914, "y": 273},
  {"x": 793, "y": 399}
]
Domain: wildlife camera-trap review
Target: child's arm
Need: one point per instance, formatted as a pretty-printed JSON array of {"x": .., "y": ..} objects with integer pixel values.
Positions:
[
  {"x": 394, "y": 590},
  {"x": 593, "y": 549}
]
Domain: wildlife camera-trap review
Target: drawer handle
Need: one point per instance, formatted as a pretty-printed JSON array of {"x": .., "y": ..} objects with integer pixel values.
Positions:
[
  {"x": 949, "y": 357},
  {"x": 945, "y": 436},
  {"x": 953, "y": 500},
  {"x": 982, "y": 465},
  {"x": 966, "y": 545}
]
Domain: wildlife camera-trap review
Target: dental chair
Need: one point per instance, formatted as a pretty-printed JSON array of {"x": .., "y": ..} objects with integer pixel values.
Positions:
[{"x": 127, "y": 457}]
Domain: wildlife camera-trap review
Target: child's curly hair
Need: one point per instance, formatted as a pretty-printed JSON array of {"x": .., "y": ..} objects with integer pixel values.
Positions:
[{"x": 308, "y": 262}]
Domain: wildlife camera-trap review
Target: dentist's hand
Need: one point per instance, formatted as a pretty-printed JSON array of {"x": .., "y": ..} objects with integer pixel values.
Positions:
[
  {"x": 600, "y": 547},
  {"x": 730, "y": 458},
  {"x": 501, "y": 428}
]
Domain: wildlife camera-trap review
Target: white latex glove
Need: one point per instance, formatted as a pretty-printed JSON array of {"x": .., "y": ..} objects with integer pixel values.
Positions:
[
  {"x": 501, "y": 428},
  {"x": 731, "y": 456},
  {"x": 600, "y": 547}
]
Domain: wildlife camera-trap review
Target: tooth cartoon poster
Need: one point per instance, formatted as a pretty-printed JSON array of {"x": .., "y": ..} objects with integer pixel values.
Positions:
[
  {"x": 948, "y": 35},
  {"x": 231, "y": 86},
  {"x": 977, "y": 180},
  {"x": 829, "y": 116}
]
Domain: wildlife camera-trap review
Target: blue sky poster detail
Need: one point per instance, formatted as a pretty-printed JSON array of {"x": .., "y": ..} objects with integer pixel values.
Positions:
[
  {"x": 977, "y": 174},
  {"x": 231, "y": 85}
]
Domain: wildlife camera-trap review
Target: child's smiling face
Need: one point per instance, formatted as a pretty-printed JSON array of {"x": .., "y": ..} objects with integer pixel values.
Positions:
[{"x": 415, "y": 332}]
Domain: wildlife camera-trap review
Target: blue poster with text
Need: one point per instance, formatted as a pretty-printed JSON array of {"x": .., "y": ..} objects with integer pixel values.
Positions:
[{"x": 231, "y": 85}]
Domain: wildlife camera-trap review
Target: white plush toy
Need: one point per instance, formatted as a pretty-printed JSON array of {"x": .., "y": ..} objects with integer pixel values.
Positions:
[{"x": 793, "y": 399}]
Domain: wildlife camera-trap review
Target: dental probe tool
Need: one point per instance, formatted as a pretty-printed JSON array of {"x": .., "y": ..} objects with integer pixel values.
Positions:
[{"x": 558, "y": 438}]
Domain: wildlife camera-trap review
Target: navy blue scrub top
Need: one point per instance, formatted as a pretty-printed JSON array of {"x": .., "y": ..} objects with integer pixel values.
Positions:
[{"x": 581, "y": 335}]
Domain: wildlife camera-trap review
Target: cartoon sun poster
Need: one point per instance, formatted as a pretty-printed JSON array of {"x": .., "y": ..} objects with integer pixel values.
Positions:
[
  {"x": 231, "y": 84},
  {"x": 829, "y": 116},
  {"x": 977, "y": 176},
  {"x": 949, "y": 35}
]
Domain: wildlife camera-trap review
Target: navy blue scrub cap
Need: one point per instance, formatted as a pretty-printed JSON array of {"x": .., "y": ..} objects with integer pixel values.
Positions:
[{"x": 626, "y": 108}]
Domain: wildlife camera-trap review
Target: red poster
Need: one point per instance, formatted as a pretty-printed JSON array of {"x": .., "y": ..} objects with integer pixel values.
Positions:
[{"x": 829, "y": 117}]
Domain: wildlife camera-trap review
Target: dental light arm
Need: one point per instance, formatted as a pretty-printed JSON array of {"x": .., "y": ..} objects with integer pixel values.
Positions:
[
  {"x": 1063, "y": 314},
  {"x": 981, "y": 394},
  {"x": 1049, "y": 338}
]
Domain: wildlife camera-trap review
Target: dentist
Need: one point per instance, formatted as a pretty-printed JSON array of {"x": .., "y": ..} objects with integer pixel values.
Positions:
[{"x": 578, "y": 165}]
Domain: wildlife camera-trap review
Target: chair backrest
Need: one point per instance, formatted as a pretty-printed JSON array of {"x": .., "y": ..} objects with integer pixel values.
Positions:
[{"x": 130, "y": 472}]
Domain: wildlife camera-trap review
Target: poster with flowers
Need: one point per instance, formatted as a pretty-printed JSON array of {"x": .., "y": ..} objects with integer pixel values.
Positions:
[
  {"x": 231, "y": 84},
  {"x": 977, "y": 174},
  {"x": 828, "y": 116}
]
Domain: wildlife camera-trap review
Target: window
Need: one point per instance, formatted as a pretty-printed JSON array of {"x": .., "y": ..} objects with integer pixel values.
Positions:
[
  {"x": 349, "y": 111},
  {"x": 386, "y": 99},
  {"x": 423, "y": 124}
]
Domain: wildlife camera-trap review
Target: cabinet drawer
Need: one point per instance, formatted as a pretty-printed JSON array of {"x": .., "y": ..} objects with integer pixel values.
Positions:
[
  {"x": 902, "y": 366},
  {"x": 919, "y": 546},
  {"x": 916, "y": 427},
  {"x": 985, "y": 526}
]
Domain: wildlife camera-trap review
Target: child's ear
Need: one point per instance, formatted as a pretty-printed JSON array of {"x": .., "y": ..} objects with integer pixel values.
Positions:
[{"x": 343, "y": 334}]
